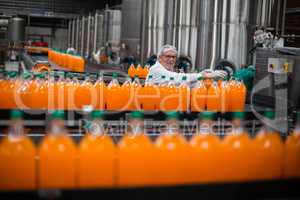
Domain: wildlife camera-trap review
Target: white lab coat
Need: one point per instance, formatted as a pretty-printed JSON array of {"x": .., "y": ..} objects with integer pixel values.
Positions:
[{"x": 157, "y": 71}]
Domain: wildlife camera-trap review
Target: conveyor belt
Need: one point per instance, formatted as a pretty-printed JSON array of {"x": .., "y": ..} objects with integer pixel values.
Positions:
[{"x": 275, "y": 189}]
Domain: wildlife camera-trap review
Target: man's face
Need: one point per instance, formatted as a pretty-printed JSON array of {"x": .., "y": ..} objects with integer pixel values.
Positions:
[{"x": 168, "y": 59}]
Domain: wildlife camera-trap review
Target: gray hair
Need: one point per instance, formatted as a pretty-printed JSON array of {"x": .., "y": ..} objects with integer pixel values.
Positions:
[{"x": 165, "y": 48}]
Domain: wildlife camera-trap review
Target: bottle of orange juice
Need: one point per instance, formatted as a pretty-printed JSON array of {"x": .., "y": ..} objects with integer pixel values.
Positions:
[
  {"x": 292, "y": 152},
  {"x": 59, "y": 91},
  {"x": 85, "y": 94},
  {"x": 17, "y": 157},
  {"x": 206, "y": 152},
  {"x": 101, "y": 90},
  {"x": 171, "y": 97},
  {"x": 131, "y": 71},
  {"x": 97, "y": 155},
  {"x": 198, "y": 96},
  {"x": 225, "y": 95},
  {"x": 268, "y": 150},
  {"x": 172, "y": 153},
  {"x": 184, "y": 95},
  {"x": 238, "y": 95},
  {"x": 136, "y": 154},
  {"x": 145, "y": 71},
  {"x": 34, "y": 99},
  {"x": 135, "y": 87},
  {"x": 58, "y": 156},
  {"x": 113, "y": 94},
  {"x": 139, "y": 71},
  {"x": 3, "y": 82},
  {"x": 149, "y": 95},
  {"x": 10, "y": 90},
  {"x": 214, "y": 97},
  {"x": 163, "y": 86},
  {"x": 126, "y": 95},
  {"x": 237, "y": 149}
]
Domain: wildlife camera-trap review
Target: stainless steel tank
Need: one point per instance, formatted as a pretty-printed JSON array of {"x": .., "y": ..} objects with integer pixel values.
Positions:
[
  {"x": 206, "y": 30},
  {"x": 16, "y": 30}
]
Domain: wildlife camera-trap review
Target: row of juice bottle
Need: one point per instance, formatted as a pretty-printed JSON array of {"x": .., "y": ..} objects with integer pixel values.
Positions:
[
  {"x": 42, "y": 91},
  {"x": 136, "y": 160},
  {"x": 68, "y": 61},
  {"x": 139, "y": 71}
]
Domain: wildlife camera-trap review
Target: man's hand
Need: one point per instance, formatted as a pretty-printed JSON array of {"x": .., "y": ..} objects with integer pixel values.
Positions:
[{"x": 213, "y": 73}]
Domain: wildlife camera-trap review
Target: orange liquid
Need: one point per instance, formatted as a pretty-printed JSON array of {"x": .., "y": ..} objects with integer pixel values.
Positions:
[
  {"x": 205, "y": 160},
  {"x": 96, "y": 161},
  {"x": 131, "y": 71},
  {"x": 113, "y": 97},
  {"x": 135, "y": 104},
  {"x": 101, "y": 91},
  {"x": 208, "y": 82},
  {"x": 18, "y": 164},
  {"x": 39, "y": 95},
  {"x": 214, "y": 98},
  {"x": 238, "y": 96},
  {"x": 50, "y": 55},
  {"x": 57, "y": 162},
  {"x": 139, "y": 71},
  {"x": 136, "y": 157},
  {"x": 73, "y": 87},
  {"x": 84, "y": 95},
  {"x": 225, "y": 95},
  {"x": 9, "y": 90},
  {"x": 2, "y": 84},
  {"x": 51, "y": 98},
  {"x": 81, "y": 64},
  {"x": 171, "y": 98},
  {"x": 162, "y": 94},
  {"x": 145, "y": 72},
  {"x": 184, "y": 97},
  {"x": 237, "y": 165},
  {"x": 149, "y": 97},
  {"x": 198, "y": 98},
  {"x": 269, "y": 155},
  {"x": 172, "y": 158},
  {"x": 126, "y": 96},
  {"x": 292, "y": 156},
  {"x": 59, "y": 91}
]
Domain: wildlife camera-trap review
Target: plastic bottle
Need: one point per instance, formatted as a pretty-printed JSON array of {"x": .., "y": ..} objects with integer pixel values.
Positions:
[
  {"x": 206, "y": 155},
  {"x": 198, "y": 96},
  {"x": 136, "y": 155},
  {"x": 162, "y": 93},
  {"x": 237, "y": 149},
  {"x": 214, "y": 97},
  {"x": 113, "y": 94},
  {"x": 58, "y": 156},
  {"x": 126, "y": 95},
  {"x": 292, "y": 152},
  {"x": 145, "y": 71},
  {"x": 135, "y": 87},
  {"x": 269, "y": 150},
  {"x": 131, "y": 71},
  {"x": 101, "y": 91},
  {"x": 171, "y": 97},
  {"x": 97, "y": 155},
  {"x": 139, "y": 71},
  {"x": 172, "y": 153},
  {"x": 149, "y": 96},
  {"x": 17, "y": 157},
  {"x": 238, "y": 96},
  {"x": 85, "y": 95},
  {"x": 184, "y": 95}
]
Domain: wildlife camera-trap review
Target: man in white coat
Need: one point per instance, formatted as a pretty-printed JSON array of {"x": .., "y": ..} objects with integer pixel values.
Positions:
[{"x": 164, "y": 67}]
